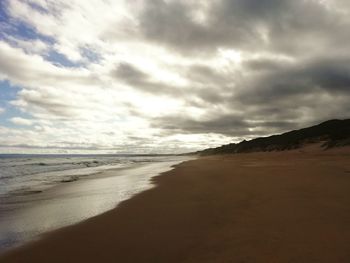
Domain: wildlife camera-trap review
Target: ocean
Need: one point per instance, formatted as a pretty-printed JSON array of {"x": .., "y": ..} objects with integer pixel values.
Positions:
[{"x": 41, "y": 193}]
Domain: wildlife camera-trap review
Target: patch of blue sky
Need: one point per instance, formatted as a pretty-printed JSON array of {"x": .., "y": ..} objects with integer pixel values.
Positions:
[
  {"x": 3, "y": 13},
  {"x": 90, "y": 54},
  {"x": 9, "y": 93},
  {"x": 17, "y": 29},
  {"x": 61, "y": 60},
  {"x": 37, "y": 7}
]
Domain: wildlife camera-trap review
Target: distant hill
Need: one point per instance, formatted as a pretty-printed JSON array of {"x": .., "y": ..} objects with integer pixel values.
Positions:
[{"x": 332, "y": 133}]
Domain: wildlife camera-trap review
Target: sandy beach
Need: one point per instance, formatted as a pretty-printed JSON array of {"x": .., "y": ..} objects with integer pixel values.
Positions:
[
  {"x": 260, "y": 207},
  {"x": 24, "y": 216}
]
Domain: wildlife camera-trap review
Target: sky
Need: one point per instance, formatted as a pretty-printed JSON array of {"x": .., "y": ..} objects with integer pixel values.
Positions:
[{"x": 167, "y": 76}]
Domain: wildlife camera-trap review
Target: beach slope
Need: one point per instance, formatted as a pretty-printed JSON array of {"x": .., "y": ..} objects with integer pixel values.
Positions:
[{"x": 289, "y": 206}]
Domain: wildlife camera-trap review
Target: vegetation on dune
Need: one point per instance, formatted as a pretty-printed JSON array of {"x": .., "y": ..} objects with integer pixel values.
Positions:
[{"x": 332, "y": 133}]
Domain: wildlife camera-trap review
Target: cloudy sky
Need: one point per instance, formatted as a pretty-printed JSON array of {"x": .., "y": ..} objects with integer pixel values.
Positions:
[{"x": 167, "y": 75}]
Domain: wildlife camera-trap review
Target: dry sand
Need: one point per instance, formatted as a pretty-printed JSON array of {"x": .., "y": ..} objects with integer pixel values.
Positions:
[{"x": 261, "y": 207}]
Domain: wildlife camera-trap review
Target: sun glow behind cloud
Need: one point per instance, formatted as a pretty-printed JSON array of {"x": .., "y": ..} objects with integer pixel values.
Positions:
[{"x": 167, "y": 76}]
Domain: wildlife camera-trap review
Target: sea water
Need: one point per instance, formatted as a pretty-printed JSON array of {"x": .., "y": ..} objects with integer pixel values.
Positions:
[{"x": 41, "y": 193}]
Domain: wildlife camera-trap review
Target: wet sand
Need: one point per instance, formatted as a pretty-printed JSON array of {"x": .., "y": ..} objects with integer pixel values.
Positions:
[
  {"x": 24, "y": 218},
  {"x": 260, "y": 207}
]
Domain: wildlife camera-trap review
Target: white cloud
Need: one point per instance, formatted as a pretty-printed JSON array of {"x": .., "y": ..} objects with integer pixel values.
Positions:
[
  {"x": 89, "y": 106},
  {"x": 33, "y": 71},
  {"x": 35, "y": 46},
  {"x": 74, "y": 24},
  {"x": 21, "y": 121},
  {"x": 2, "y": 110}
]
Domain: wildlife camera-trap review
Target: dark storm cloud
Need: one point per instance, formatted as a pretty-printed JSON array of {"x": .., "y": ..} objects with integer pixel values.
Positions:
[
  {"x": 228, "y": 124},
  {"x": 171, "y": 23},
  {"x": 129, "y": 73},
  {"x": 275, "y": 98},
  {"x": 332, "y": 74},
  {"x": 205, "y": 82},
  {"x": 265, "y": 64},
  {"x": 140, "y": 80},
  {"x": 235, "y": 69},
  {"x": 297, "y": 71},
  {"x": 320, "y": 76},
  {"x": 277, "y": 25},
  {"x": 275, "y": 79},
  {"x": 203, "y": 74}
]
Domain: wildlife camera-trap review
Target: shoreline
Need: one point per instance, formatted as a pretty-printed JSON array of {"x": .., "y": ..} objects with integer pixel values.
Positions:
[
  {"x": 27, "y": 218},
  {"x": 258, "y": 207}
]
